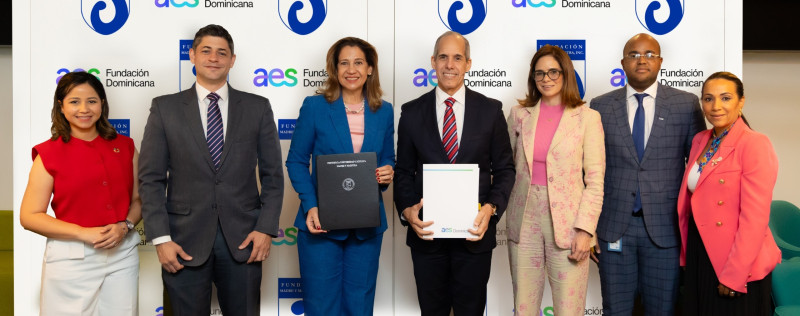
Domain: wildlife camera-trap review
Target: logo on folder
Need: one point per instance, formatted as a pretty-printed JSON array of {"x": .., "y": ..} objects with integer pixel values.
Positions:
[
  {"x": 576, "y": 49},
  {"x": 449, "y": 10},
  {"x": 103, "y": 19},
  {"x": 292, "y": 12},
  {"x": 652, "y": 8}
]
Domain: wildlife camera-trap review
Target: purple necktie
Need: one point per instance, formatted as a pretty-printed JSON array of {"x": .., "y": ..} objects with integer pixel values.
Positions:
[{"x": 214, "y": 135}]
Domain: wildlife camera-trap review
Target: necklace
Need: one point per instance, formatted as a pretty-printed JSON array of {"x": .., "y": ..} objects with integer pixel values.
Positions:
[
  {"x": 348, "y": 110},
  {"x": 712, "y": 149}
]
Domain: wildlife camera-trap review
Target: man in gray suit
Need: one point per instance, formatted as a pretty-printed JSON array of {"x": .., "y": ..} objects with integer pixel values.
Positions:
[
  {"x": 202, "y": 147},
  {"x": 648, "y": 135}
]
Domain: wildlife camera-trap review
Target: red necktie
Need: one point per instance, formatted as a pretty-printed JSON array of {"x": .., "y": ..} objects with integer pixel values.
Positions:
[{"x": 449, "y": 131}]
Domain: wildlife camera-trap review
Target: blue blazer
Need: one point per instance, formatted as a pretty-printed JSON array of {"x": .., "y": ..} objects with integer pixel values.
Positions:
[
  {"x": 658, "y": 176},
  {"x": 322, "y": 129}
]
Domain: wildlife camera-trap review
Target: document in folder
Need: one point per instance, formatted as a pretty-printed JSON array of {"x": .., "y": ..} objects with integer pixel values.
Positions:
[
  {"x": 450, "y": 194},
  {"x": 347, "y": 191}
]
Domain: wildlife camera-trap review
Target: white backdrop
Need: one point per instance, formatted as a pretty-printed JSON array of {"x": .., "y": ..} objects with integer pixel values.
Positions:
[{"x": 135, "y": 48}]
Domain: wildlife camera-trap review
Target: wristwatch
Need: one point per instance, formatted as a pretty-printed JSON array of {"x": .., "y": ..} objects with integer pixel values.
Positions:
[{"x": 129, "y": 224}]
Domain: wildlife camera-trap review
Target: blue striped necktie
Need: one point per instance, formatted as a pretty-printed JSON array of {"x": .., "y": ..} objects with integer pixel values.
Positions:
[{"x": 214, "y": 135}]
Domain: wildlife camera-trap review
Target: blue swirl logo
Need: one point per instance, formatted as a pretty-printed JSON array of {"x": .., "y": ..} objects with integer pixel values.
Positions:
[
  {"x": 451, "y": 11},
  {"x": 99, "y": 12},
  {"x": 291, "y": 11},
  {"x": 675, "y": 9}
]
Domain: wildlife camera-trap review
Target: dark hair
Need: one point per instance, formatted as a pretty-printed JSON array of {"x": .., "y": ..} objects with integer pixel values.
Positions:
[
  {"x": 212, "y": 30},
  {"x": 60, "y": 125},
  {"x": 451, "y": 33},
  {"x": 732, "y": 78},
  {"x": 372, "y": 87},
  {"x": 570, "y": 96}
]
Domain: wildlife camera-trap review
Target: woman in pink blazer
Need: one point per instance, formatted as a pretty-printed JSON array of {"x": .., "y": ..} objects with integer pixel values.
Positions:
[
  {"x": 559, "y": 156},
  {"x": 723, "y": 209}
]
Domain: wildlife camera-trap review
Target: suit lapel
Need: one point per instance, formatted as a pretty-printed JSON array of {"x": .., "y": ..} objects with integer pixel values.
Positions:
[
  {"x": 371, "y": 137},
  {"x": 339, "y": 121},
  {"x": 658, "y": 129},
  {"x": 471, "y": 117},
  {"x": 430, "y": 126},
  {"x": 235, "y": 114},
  {"x": 528, "y": 130},
  {"x": 192, "y": 114},
  {"x": 623, "y": 126},
  {"x": 726, "y": 148},
  {"x": 569, "y": 119}
]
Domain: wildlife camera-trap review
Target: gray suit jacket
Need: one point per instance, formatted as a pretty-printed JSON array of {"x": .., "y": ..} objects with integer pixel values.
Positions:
[
  {"x": 677, "y": 119},
  {"x": 175, "y": 160}
]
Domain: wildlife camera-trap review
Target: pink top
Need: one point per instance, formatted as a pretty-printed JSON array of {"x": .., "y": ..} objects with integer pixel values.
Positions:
[
  {"x": 356, "y": 123},
  {"x": 549, "y": 117}
]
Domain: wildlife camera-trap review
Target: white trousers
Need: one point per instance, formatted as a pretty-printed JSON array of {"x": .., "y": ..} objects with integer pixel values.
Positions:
[{"x": 78, "y": 279}]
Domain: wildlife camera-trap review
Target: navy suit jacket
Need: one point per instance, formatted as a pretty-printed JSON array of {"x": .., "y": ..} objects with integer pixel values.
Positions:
[
  {"x": 175, "y": 160},
  {"x": 322, "y": 129},
  {"x": 484, "y": 142},
  {"x": 658, "y": 176}
]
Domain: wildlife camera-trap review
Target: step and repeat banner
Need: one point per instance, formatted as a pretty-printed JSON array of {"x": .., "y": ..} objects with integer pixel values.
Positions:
[{"x": 139, "y": 50}]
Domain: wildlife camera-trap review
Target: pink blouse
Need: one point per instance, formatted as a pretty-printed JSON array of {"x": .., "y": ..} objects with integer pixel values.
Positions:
[
  {"x": 356, "y": 123},
  {"x": 549, "y": 117}
]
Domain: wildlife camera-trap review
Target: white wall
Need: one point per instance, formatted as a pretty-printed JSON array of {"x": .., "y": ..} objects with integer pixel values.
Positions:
[
  {"x": 771, "y": 82},
  {"x": 6, "y": 182}
]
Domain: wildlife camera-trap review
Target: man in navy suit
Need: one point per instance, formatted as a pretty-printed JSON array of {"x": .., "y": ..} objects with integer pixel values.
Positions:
[
  {"x": 649, "y": 129},
  {"x": 452, "y": 273}
]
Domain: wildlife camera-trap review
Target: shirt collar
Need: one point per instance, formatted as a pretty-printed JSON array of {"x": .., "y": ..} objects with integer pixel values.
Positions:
[
  {"x": 460, "y": 95},
  {"x": 202, "y": 92},
  {"x": 651, "y": 90}
]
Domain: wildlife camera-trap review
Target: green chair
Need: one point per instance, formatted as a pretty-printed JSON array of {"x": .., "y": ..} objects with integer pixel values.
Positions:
[
  {"x": 786, "y": 288},
  {"x": 6, "y": 263},
  {"x": 784, "y": 221}
]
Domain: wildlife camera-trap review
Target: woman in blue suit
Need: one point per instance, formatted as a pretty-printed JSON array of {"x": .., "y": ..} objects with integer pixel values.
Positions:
[{"x": 339, "y": 267}]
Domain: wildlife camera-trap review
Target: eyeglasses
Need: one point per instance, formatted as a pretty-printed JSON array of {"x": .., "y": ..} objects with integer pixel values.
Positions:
[
  {"x": 647, "y": 56},
  {"x": 553, "y": 74}
]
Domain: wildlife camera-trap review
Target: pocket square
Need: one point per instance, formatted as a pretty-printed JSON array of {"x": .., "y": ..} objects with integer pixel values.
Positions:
[{"x": 660, "y": 118}]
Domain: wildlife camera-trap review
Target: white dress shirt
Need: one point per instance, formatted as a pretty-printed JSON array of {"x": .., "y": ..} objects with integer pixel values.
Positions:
[{"x": 649, "y": 104}]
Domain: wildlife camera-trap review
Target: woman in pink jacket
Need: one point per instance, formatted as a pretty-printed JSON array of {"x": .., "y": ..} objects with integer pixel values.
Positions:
[
  {"x": 559, "y": 155},
  {"x": 723, "y": 209}
]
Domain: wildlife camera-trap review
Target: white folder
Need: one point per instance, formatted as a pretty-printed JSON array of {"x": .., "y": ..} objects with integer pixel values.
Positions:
[{"x": 450, "y": 195}]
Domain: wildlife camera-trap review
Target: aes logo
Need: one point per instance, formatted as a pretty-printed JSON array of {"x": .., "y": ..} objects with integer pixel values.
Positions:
[
  {"x": 618, "y": 78},
  {"x": 450, "y": 10},
  {"x": 423, "y": 78},
  {"x": 653, "y": 12},
  {"x": 533, "y": 3},
  {"x": 301, "y": 19},
  {"x": 176, "y": 4},
  {"x": 275, "y": 77},
  {"x": 63, "y": 71},
  {"x": 103, "y": 19}
]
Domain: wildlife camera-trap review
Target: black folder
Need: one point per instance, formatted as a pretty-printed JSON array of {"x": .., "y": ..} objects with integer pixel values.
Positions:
[{"x": 347, "y": 191}]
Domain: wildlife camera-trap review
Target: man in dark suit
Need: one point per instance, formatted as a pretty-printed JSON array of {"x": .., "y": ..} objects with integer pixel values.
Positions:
[
  {"x": 202, "y": 147},
  {"x": 649, "y": 129},
  {"x": 452, "y": 273}
]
